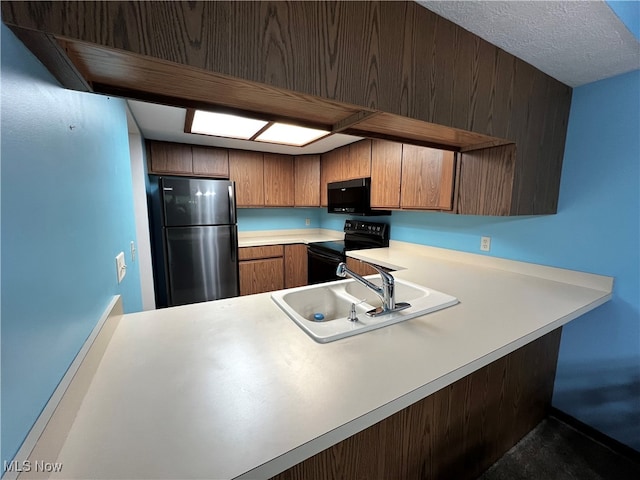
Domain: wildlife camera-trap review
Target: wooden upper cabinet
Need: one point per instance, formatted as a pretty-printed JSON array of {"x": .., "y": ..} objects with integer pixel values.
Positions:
[
  {"x": 386, "y": 174},
  {"x": 358, "y": 164},
  {"x": 278, "y": 180},
  {"x": 477, "y": 98},
  {"x": 307, "y": 181},
  {"x": 427, "y": 178},
  {"x": 331, "y": 169},
  {"x": 210, "y": 162},
  {"x": 167, "y": 157},
  {"x": 190, "y": 160},
  {"x": 487, "y": 177},
  {"x": 247, "y": 170}
]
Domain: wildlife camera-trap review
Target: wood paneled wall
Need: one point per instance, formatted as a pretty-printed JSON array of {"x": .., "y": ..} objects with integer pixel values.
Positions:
[
  {"x": 395, "y": 57},
  {"x": 456, "y": 433}
]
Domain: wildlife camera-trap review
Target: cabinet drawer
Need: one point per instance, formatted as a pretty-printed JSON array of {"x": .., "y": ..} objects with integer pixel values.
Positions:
[{"x": 266, "y": 251}]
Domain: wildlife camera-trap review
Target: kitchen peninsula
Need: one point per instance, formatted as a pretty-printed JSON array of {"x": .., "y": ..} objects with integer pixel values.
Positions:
[{"x": 234, "y": 388}]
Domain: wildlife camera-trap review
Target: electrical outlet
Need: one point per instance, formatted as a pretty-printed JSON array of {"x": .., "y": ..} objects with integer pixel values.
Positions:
[
  {"x": 133, "y": 251},
  {"x": 485, "y": 244},
  {"x": 307, "y": 221},
  {"x": 121, "y": 266}
]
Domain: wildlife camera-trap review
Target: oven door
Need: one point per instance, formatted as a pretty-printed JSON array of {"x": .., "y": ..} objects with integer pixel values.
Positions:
[{"x": 322, "y": 265}]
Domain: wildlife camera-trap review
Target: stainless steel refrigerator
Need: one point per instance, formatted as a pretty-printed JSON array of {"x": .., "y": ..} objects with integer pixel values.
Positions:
[{"x": 199, "y": 247}]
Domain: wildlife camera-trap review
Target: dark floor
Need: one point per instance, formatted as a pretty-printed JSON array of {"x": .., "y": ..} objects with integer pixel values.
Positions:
[{"x": 555, "y": 451}]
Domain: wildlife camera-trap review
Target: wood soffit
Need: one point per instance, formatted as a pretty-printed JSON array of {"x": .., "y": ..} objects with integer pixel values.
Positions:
[{"x": 117, "y": 72}]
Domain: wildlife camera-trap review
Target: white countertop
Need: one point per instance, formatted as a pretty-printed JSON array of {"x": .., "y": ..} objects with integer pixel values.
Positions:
[
  {"x": 234, "y": 387},
  {"x": 277, "y": 237}
]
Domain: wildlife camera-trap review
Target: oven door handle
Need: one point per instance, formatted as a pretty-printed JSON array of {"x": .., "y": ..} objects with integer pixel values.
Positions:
[{"x": 333, "y": 258}]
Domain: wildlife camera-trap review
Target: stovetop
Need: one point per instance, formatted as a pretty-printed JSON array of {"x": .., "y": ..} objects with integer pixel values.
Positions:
[
  {"x": 358, "y": 235},
  {"x": 337, "y": 246}
]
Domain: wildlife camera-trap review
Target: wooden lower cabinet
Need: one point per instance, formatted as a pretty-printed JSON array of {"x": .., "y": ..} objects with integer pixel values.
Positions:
[
  {"x": 261, "y": 269},
  {"x": 272, "y": 267},
  {"x": 360, "y": 267},
  {"x": 257, "y": 276},
  {"x": 457, "y": 432},
  {"x": 295, "y": 265}
]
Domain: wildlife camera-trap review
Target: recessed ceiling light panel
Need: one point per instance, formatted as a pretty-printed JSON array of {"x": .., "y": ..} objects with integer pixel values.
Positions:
[
  {"x": 225, "y": 125},
  {"x": 290, "y": 135}
]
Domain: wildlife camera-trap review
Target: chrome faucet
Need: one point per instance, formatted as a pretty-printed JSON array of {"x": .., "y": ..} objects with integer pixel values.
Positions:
[{"x": 386, "y": 292}]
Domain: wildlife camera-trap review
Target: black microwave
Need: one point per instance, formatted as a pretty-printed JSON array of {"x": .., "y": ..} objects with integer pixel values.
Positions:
[{"x": 352, "y": 197}]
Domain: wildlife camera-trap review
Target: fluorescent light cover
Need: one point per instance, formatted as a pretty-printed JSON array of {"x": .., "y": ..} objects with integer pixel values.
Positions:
[
  {"x": 290, "y": 134},
  {"x": 223, "y": 125}
]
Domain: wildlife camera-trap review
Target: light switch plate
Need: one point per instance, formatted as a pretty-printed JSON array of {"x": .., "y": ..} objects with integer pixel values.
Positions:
[{"x": 121, "y": 266}]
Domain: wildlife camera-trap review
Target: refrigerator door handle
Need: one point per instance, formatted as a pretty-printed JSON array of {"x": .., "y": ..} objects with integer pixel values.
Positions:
[
  {"x": 232, "y": 204},
  {"x": 234, "y": 244}
]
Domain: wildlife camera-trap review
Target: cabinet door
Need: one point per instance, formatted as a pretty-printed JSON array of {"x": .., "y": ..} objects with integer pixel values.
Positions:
[
  {"x": 358, "y": 165},
  {"x": 427, "y": 178},
  {"x": 278, "y": 180},
  {"x": 295, "y": 265},
  {"x": 360, "y": 267},
  {"x": 247, "y": 170},
  {"x": 210, "y": 162},
  {"x": 167, "y": 157},
  {"x": 257, "y": 276},
  {"x": 386, "y": 173},
  {"x": 307, "y": 181},
  {"x": 332, "y": 169}
]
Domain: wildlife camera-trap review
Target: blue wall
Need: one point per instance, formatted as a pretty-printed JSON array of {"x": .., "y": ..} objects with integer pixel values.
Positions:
[
  {"x": 596, "y": 229},
  {"x": 67, "y": 210}
]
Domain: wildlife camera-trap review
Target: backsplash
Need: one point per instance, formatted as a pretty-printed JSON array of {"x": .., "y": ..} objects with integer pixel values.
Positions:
[{"x": 253, "y": 219}]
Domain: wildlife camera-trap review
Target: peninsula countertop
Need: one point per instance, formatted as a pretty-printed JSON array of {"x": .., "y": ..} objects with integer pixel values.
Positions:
[{"x": 234, "y": 388}]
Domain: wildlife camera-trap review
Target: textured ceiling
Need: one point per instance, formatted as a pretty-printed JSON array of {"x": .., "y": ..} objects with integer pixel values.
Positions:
[{"x": 576, "y": 42}]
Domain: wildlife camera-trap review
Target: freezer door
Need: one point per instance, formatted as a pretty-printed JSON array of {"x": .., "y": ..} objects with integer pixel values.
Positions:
[
  {"x": 202, "y": 263},
  {"x": 189, "y": 201}
]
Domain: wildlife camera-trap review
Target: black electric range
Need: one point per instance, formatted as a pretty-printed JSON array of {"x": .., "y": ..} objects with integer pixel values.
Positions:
[{"x": 324, "y": 257}]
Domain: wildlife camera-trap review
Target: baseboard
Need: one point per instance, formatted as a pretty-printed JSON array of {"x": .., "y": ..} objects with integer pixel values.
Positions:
[{"x": 618, "y": 447}]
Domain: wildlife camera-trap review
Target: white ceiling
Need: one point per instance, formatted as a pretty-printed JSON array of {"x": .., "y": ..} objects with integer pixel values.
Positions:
[
  {"x": 161, "y": 122},
  {"x": 575, "y": 42}
]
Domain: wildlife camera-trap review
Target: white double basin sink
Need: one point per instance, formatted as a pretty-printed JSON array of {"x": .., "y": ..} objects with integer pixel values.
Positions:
[{"x": 322, "y": 310}]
